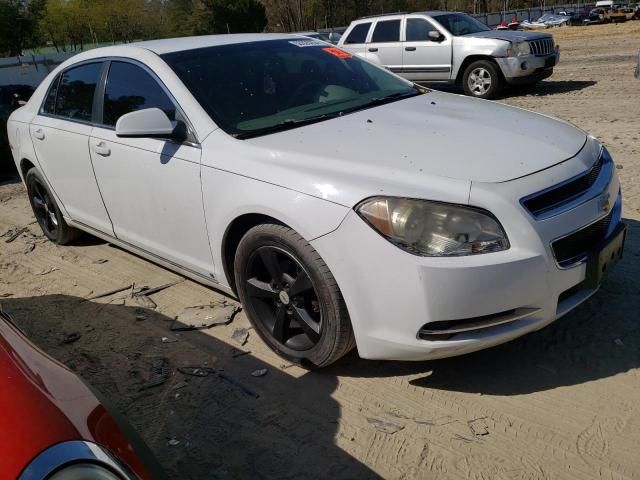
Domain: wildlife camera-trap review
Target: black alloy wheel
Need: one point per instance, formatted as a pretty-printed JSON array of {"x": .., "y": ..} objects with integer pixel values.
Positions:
[
  {"x": 46, "y": 210},
  {"x": 284, "y": 297},
  {"x": 44, "y": 207},
  {"x": 291, "y": 297}
]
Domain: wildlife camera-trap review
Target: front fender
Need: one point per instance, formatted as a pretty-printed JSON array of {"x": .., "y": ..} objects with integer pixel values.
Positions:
[{"x": 228, "y": 196}]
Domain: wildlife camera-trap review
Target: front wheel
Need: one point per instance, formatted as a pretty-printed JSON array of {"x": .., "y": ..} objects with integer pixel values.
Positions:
[
  {"x": 481, "y": 79},
  {"x": 291, "y": 298}
]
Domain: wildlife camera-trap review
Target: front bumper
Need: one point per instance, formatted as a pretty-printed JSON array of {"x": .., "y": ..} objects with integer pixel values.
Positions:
[
  {"x": 393, "y": 295},
  {"x": 527, "y": 68}
]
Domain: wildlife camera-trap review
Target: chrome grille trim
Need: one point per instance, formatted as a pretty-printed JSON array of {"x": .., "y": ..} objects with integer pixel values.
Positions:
[
  {"x": 452, "y": 327},
  {"x": 603, "y": 167},
  {"x": 542, "y": 47}
]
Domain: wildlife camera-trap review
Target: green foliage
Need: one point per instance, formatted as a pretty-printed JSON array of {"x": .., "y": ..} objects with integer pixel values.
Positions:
[
  {"x": 18, "y": 20},
  {"x": 73, "y": 24},
  {"x": 231, "y": 16}
]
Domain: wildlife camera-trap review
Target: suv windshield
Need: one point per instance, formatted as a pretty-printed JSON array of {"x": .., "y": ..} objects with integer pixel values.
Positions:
[
  {"x": 256, "y": 88},
  {"x": 459, "y": 24}
]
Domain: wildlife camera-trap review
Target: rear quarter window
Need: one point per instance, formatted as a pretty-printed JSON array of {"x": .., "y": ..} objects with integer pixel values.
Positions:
[{"x": 359, "y": 33}]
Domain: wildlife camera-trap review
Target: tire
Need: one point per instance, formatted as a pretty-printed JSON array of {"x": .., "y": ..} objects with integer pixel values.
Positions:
[
  {"x": 476, "y": 76},
  {"x": 46, "y": 210},
  {"x": 272, "y": 262}
]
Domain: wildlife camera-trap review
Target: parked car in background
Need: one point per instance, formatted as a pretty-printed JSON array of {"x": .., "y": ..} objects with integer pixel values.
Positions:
[
  {"x": 452, "y": 48},
  {"x": 11, "y": 97},
  {"x": 547, "y": 20},
  {"x": 54, "y": 427},
  {"x": 597, "y": 16},
  {"x": 577, "y": 19},
  {"x": 343, "y": 204}
]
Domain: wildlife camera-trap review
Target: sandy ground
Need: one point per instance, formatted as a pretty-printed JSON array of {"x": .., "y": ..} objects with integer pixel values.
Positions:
[{"x": 561, "y": 403}]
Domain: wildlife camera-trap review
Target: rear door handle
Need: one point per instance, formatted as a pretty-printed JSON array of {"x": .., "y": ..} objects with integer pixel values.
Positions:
[
  {"x": 39, "y": 134},
  {"x": 410, "y": 49},
  {"x": 373, "y": 49},
  {"x": 102, "y": 149}
]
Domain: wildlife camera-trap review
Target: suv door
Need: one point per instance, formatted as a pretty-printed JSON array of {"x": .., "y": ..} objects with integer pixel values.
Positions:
[
  {"x": 425, "y": 59},
  {"x": 385, "y": 47},
  {"x": 60, "y": 135},
  {"x": 151, "y": 187},
  {"x": 355, "y": 40}
]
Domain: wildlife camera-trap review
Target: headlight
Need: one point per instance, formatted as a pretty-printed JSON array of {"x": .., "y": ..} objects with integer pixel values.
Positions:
[
  {"x": 434, "y": 229},
  {"x": 519, "y": 48}
]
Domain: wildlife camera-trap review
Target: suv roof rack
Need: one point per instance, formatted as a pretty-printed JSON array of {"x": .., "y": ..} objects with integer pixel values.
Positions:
[{"x": 382, "y": 15}]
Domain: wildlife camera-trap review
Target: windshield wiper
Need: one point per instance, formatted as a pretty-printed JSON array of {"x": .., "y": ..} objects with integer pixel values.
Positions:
[
  {"x": 375, "y": 101},
  {"x": 291, "y": 123},
  {"x": 287, "y": 124}
]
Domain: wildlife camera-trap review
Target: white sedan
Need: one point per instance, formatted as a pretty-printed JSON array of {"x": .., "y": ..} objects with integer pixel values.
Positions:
[{"x": 343, "y": 205}]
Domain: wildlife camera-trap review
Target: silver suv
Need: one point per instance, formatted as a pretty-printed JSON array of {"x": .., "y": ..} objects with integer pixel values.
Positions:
[{"x": 452, "y": 48}]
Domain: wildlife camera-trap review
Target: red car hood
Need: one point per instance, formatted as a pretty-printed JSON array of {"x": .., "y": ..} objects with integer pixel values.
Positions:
[{"x": 43, "y": 403}]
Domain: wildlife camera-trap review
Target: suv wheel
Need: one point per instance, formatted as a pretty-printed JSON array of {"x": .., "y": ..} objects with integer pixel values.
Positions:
[
  {"x": 46, "y": 210},
  {"x": 291, "y": 297},
  {"x": 481, "y": 79}
]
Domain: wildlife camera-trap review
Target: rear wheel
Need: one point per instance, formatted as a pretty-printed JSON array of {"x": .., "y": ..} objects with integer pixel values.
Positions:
[
  {"x": 291, "y": 297},
  {"x": 481, "y": 79},
  {"x": 46, "y": 210}
]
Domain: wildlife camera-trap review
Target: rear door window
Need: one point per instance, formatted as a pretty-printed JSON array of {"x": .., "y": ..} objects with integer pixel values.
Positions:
[
  {"x": 386, "y": 31},
  {"x": 130, "y": 88},
  {"x": 359, "y": 33},
  {"x": 74, "y": 99}
]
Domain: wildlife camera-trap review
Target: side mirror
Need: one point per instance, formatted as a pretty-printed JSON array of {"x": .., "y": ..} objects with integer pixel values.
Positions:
[
  {"x": 435, "y": 36},
  {"x": 150, "y": 123}
]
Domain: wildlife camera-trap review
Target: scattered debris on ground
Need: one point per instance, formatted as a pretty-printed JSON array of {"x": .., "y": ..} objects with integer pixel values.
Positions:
[
  {"x": 14, "y": 233},
  {"x": 158, "y": 373},
  {"x": 71, "y": 337},
  {"x": 240, "y": 335},
  {"x": 109, "y": 292},
  {"x": 202, "y": 317},
  {"x": 261, "y": 372},
  {"x": 385, "y": 427},
  {"x": 478, "y": 427}
]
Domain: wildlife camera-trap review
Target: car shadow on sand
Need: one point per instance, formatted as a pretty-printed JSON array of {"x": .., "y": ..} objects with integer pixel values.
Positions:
[
  {"x": 546, "y": 88},
  {"x": 226, "y": 424},
  {"x": 599, "y": 339}
]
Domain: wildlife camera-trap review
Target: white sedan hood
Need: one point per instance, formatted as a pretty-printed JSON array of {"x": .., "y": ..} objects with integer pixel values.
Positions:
[{"x": 435, "y": 141}]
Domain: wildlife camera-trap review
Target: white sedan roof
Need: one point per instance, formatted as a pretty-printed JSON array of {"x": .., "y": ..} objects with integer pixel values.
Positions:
[{"x": 190, "y": 43}]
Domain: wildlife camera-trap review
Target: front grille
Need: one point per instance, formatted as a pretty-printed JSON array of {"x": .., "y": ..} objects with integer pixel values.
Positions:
[
  {"x": 562, "y": 194},
  {"x": 575, "y": 247},
  {"x": 542, "y": 47}
]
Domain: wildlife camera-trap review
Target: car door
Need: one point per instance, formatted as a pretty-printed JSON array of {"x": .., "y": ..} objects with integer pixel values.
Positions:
[
  {"x": 355, "y": 41},
  {"x": 151, "y": 187},
  {"x": 384, "y": 46},
  {"x": 60, "y": 135},
  {"x": 423, "y": 58}
]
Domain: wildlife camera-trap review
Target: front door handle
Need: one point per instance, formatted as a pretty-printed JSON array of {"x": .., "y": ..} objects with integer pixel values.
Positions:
[
  {"x": 102, "y": 149},
  {"x": 410, "y": 49},
  {"x": 373, "y": 49},
  {"x": 39, "y": 134}
]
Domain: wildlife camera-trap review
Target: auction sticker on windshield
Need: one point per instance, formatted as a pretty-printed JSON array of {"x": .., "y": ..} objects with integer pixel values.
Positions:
[{"x": 337, "y": 52}]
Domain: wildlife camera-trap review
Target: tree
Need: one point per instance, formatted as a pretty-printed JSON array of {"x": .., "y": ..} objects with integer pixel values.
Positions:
[
  {"x": 18, "y": 21},
  {"x": 231, "y": 16}
]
